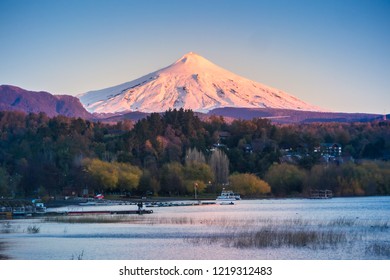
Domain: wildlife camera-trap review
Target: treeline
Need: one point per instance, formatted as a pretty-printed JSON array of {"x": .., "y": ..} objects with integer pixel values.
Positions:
[
  {"x": 175, "y": 152},
  {"x": 349, "y": 179}
]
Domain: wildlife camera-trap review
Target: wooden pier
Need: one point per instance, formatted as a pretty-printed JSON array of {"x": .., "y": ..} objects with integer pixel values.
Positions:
[
  {"x": 104, "y": 212},
  {"x": 321, "y": 194}
]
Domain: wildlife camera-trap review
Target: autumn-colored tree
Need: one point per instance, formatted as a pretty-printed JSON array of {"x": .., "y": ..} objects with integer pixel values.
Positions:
[
  {"x": 36, "y": 150},
  {"x": 128, "y": 176},
  {"x": 248, "y": 184},
  {"x": 194, "y": 156},
  {"x": 285, "y": 179},
  {"x": 219, "y": 163},
  {"x": 113, "y": 175},
  {"x": 148, "y": 183},
  {"x": 172, "y": 179},
  {"x": 104, "y": 174},
  {"x": 323, "y": 177},
  {"x": 197, "y": 175}
]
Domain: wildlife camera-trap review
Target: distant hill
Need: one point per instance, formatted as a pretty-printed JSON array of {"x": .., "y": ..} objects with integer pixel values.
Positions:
[
  {"x": 113, "y": 118},
  {"x": 292, "y": 116},
  {"x": 14, "y": 98},
  {"x": 283, "y": 116}
]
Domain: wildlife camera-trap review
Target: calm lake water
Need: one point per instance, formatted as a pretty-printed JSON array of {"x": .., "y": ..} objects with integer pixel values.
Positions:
[{"x": 338, "y": 228}]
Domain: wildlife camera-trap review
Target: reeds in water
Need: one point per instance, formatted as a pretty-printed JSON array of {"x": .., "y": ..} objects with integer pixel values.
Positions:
[
  {"x": 342, "y": 221},
  {"x": 92, "y": 219},
  {"x": 6, "y": 227},
  {"x": 259, "y": 232},
  {"x": 381, "y": 249},
  {"x": 33, "y": 229},
  {"x": 79, "y": 257},
  {"x": 275, "y": 238},
  {"x": 381, "y": 225}
]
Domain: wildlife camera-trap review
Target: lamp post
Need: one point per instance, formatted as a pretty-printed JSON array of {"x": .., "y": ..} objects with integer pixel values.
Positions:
[{"x": 195, "y": 190}]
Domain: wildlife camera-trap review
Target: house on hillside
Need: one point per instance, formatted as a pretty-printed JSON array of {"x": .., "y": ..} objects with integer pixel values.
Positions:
[
  {"x": 331, "y": 149},
  {"x": 223, "y": 136},
  {"x": 247, "y": 148},
  {"x": 218, "y": 146},
  {"x": 330, "y": 152},
  {"x": 290, "y": 155}
]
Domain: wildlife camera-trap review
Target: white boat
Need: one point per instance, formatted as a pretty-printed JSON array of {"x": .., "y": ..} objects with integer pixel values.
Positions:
[
  {"x": 40, "y": 208},
  {"x": 88, "y": 203},
  {"x": 94, "y": 203},
  {"x": 228, "y": 195}
]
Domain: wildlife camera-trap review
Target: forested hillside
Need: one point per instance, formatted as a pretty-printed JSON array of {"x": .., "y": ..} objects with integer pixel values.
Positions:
[{"x": 172, "y": 153}]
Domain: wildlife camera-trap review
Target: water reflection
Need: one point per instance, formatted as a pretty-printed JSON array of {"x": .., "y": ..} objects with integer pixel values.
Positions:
[{"x": 339, "y": 228}]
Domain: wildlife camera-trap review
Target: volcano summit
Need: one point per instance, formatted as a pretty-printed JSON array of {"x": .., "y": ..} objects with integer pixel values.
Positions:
[{"x": 192, "y": 82}]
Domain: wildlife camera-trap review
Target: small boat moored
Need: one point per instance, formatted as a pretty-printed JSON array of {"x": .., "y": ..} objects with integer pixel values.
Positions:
[{"x": 228, "y": 195}]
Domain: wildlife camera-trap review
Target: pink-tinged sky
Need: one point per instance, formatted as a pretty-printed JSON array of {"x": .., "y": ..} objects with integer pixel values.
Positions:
[{"x": 331, "y": 53}]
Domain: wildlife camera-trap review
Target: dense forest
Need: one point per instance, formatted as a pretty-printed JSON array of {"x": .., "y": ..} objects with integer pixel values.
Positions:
[{"x": 173, "y": 153}]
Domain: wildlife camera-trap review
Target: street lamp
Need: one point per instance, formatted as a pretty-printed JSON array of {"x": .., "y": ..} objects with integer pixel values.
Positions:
[{"x": 195, "y": 190}]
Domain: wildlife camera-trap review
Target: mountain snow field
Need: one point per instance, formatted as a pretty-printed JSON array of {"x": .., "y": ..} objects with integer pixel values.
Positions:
[{"x": 192, "y": 82}]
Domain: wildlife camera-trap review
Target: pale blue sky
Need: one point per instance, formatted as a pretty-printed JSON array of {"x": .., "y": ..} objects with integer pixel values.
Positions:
[{"x": 332, "y": 53}]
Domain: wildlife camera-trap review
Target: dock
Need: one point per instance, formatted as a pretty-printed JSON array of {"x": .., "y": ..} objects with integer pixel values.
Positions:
[
  {"x": 104, "y": 212},
  {"x": 321, "y": 194},
  {"x": 10, "y": 209}
]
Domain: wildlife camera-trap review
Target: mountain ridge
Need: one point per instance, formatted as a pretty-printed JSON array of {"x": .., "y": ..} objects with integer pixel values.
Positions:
[
  {"x": 13, "y": 98},
  {"x": 277, "y": 116}
]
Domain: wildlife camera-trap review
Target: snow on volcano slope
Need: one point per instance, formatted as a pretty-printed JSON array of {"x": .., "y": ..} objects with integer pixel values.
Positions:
[{"x": 192, "y": 82}]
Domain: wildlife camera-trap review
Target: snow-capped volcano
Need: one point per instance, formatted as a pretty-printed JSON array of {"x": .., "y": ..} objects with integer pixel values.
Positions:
[{"x": 192, "y": 82}]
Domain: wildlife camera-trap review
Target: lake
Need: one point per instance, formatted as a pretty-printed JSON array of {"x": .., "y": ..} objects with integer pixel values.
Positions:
[{"x": 289, "y": 229}]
